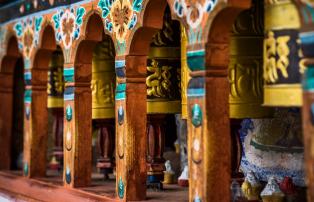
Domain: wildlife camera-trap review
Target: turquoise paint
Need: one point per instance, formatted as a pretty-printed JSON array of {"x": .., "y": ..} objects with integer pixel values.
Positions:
[
  {"x": 197, "y": 115},
  {"x": 18, "y": 28},
  {"x": 38, "y": 22},
  {"x": 119, "y": 63},
  {"x": 69, "y": 113},
  {"x": 120, "y": 91},
  {"x": 121, "y": 188},
  {"x": 68, "y": 74},
  {"x": 28, "y": 96},
  {"x": 137, "y": 5},
  {"x": 25, "y": 169},
  {"x": 105, "y": 6},
  {"x": 68, "y": 175},
  {"x": 196, "y": 60},
  {"x": 79, "y": 15},
  {"x": 308, "y": 81},
  {"x": 196, "y": 92}
]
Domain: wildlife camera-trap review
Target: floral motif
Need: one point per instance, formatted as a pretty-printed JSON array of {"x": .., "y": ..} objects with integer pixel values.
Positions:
[
  {"x": 27, "y": 32},
  {"x": 120, "y": 16},
  {"x": 193, "y": 10},
  {"x": 68, "y": 23}
]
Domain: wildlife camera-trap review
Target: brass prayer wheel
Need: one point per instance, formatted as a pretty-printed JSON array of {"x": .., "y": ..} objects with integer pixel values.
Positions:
[
  {"x": 103, "y": 80},
  {"x": 164, "y": 71},
  {"x": 282, "y": 72},
  {"x": 246, "y": 65},
  {"x": 55, "y": 80}
]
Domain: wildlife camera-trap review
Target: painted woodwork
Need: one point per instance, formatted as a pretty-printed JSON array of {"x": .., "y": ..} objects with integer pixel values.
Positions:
[
  {"x": 207, "y": 23},
  {"x": 282, "y": 73},
  {"x": 306, "y": 36}
]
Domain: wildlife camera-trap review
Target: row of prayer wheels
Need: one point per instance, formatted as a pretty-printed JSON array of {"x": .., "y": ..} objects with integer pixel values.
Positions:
[
  {"x": 264, "y": 71},
  {"x": 168, "y": 74}
]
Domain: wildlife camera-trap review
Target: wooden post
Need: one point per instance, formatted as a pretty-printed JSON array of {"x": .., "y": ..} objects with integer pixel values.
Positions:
[
  {"x": 6, "y": 83},
  {"x": 77, "y": 126},
  {"x": 131, "y": 130}
]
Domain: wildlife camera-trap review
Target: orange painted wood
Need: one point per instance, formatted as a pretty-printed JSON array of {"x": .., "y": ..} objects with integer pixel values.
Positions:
[{"x": 41, "y": 191}]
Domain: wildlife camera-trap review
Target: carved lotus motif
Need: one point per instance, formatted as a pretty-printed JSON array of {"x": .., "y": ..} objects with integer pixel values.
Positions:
[{"x": 121, "y": 14}]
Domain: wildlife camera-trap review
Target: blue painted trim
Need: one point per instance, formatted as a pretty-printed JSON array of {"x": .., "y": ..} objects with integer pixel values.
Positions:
[
  {"x": 196, "y": 92},
  {"x": 68, "y": 94},
  {"x": 307, "y": 37},
  {"x": 119, "y": 63}
]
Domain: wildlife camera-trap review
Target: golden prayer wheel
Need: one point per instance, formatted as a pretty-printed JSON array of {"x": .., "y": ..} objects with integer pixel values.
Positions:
[
  {"x": 246, "y": 65},
  {"x": 103, "y": 81},
  {"x": 164, "y": 71},
  {"x": 282, "y": 72},
  {"x": 55, "y": 80},
  {"x": 184, "y": 73}
]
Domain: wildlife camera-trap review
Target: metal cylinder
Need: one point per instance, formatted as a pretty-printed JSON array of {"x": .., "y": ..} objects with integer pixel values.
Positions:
[
  {"x": 282, "y": 72},
  {"x": 55, "y": 87},
  {"x": 164, "y": 71},
  {"x": 103, "y": 81}
]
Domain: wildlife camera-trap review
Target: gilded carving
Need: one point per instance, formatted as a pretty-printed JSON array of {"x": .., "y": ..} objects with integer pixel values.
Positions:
[
  {"x": 102, "y": 92},
  {"x": 272, "y": 48},
  {"x": 158, "y": 83}
]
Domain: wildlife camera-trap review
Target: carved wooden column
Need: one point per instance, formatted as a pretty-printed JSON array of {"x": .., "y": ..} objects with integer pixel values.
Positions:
[
  {"x": 307, "y": 45},
  {"x": 131, "y": 120},
  {"x": 6, "y": 97},
  {"x": 77, "y": 131}
]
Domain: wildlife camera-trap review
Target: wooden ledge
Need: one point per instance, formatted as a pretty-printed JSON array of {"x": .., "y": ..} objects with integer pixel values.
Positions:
[{"x": 33, "y": 189}]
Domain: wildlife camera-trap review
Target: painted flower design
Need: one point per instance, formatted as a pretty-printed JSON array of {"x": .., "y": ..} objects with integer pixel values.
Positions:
[
  {"x": 121, "y": 14},
  {"x": 28, "y": 41},
  {"x": 67, "y": 26},
  {"x": 194, "y": 10}
]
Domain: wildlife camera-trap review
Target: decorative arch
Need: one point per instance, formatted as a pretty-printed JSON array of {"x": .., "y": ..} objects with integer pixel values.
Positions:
[
  {"x": 78, "y": 103},
  {"x": 8, "y": 66},
  {"x": 36, "y": 118}
]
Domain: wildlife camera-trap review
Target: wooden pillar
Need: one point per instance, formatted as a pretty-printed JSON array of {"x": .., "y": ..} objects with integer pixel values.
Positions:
[
  {"x": 307, "y": 45},
  {"x": 131, "y": 129},
  {"x": 36, "y": 134},
  {"x": 6, "y": 106},
  {"x": 209, "y": 139},
  {"x": 77, "y": 125}
]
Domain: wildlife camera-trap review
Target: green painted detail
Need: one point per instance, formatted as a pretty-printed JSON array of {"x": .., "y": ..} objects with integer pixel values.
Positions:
[
  {"x": 68, "y": 75},
  {"x": 197, "y": 115},
  {"x": 38, "y": 22},
  {"x": 120, "y": 91},
  {"x": 196, "y": 60},
  {"x": 18, "y": 28},
  {"x": 25, "y": 169},
  {"x": 79, "y": 15},
  {"x": 28, "y": 96},
  {"x": 68, "y": 113},
  {"x": 121, "y": 188},
  {"x": 308, "y": 81}
]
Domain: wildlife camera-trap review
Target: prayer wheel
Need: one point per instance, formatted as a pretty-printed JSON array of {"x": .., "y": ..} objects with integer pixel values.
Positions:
[
  {"x": 103, "y": 87},
  {"x": 163, "y": 92},
  {"x": 282, "y": 72},
  {"x": 245, "y": 70},
  {"x": 55, "y": 106}
]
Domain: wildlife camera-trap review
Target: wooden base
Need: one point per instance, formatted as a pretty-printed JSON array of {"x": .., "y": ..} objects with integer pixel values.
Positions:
[{"x": 15, "y": 186}]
